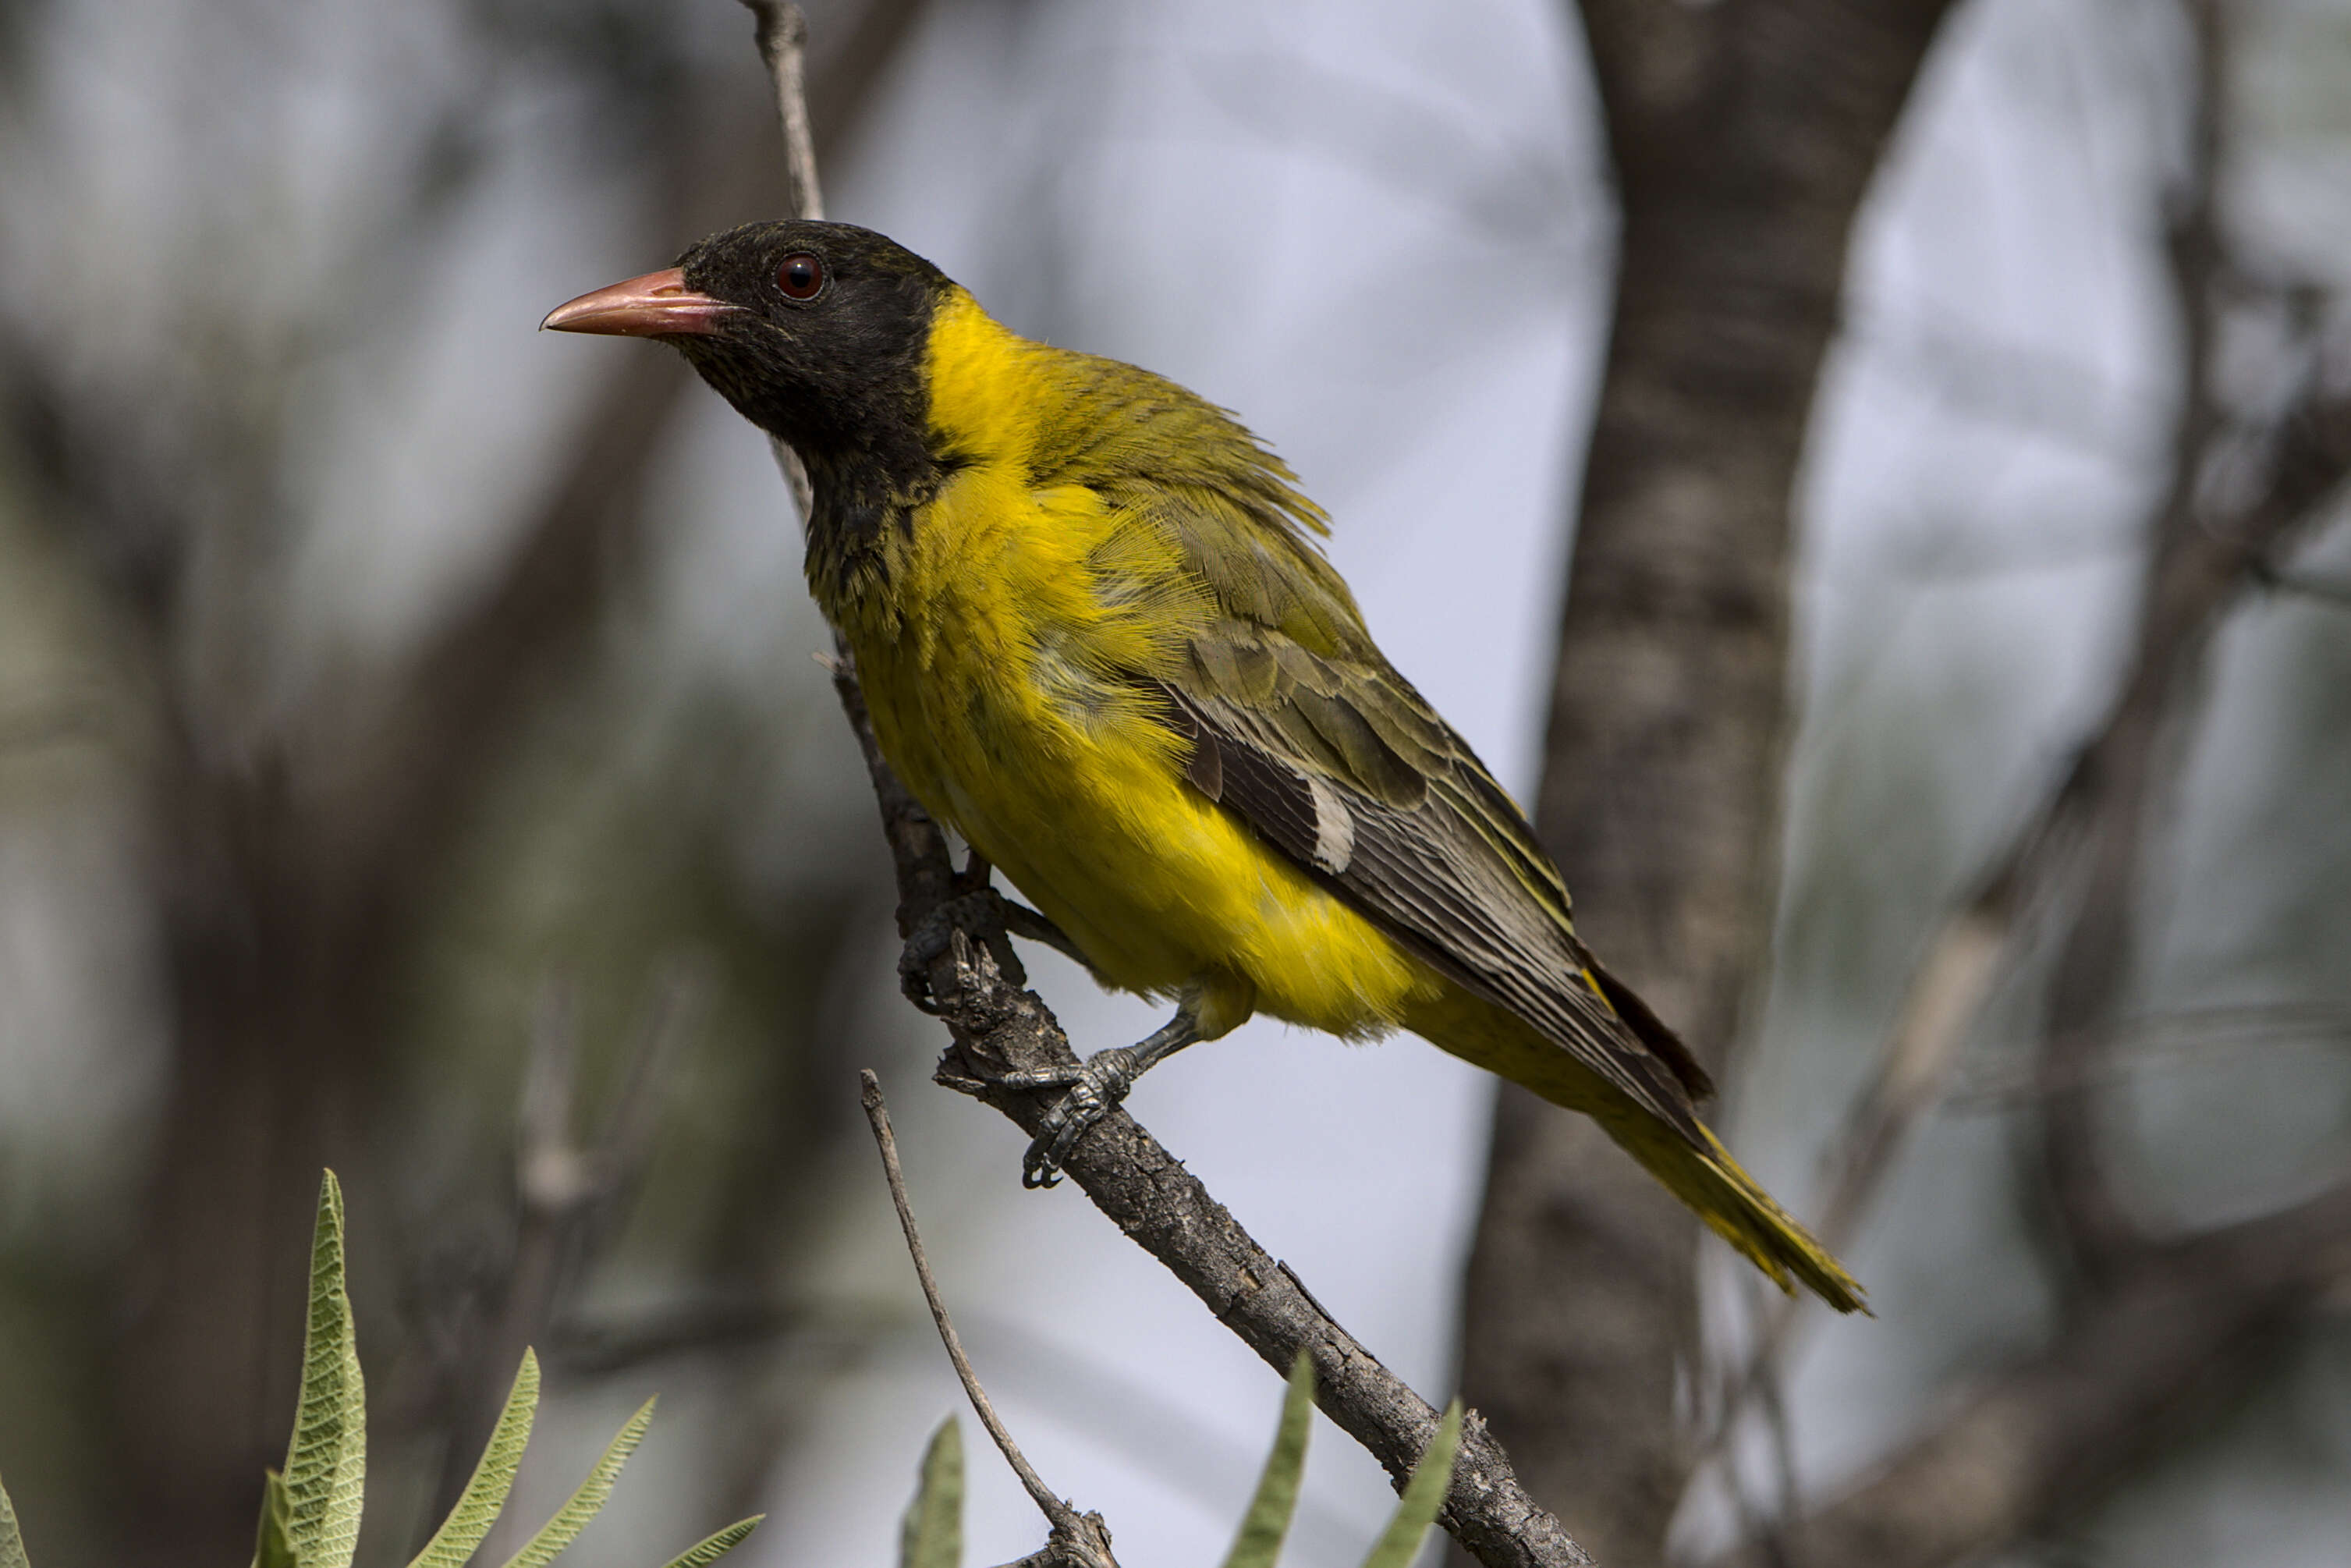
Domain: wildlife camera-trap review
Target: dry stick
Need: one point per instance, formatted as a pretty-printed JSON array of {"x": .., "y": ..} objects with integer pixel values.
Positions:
[
  {"x": 1067, "y": 1523},
  {"x": 781, "y": 31},
  {"x": 977, "y": 981},
  {"x": 782, "y": 35}
]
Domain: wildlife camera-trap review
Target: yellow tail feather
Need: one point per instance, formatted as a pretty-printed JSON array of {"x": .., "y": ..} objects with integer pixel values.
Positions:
[
  {"x": 1738, "y": 1209},
  {"x": 1706, "y": 1180}
]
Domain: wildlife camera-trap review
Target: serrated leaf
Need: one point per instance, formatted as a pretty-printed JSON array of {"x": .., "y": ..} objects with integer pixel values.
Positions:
[
  {"x": 485, "y": 1496},
  {"x": 270, "y": 1547},
  {"x": 1263, "y": 1528},
  {"x": 1422, "y": 1496},
  {"x": 584, "y": 1504},
  {"x": 326, "y": 1462},
  {"x": 711, "y": 1548},
  {"x": 12, "y": 1541},
  {"x": 932, "y": 1534}
]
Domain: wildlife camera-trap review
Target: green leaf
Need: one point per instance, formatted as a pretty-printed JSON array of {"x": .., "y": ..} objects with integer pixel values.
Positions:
[
  {"x": 932, "y": 1535},
  {"x": 270, "y": 1547},
  {"x": 11, "y": 1544},
  {"x": 710, "y": 1549},
  {"x": 326, "y": 1463},
  {"x": 1259, "y": 1544},
  {"x": 1422, "y": 1496},
  {"x": 572, "y": 1518},
  {"x": 485, "y": 1494}
]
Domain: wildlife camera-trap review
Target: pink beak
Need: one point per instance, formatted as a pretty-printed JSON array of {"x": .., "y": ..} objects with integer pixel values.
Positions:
[{"x": 658, "y": 305}]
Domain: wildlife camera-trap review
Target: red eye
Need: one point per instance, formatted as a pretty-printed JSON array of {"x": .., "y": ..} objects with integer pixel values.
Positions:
[{"x": 801, "y": 276}]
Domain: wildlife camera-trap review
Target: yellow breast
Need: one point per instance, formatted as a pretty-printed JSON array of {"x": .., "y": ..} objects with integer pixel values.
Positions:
[{"x": 1001, "y": 675}]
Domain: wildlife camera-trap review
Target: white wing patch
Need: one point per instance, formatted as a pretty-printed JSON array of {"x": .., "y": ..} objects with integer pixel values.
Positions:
[{"x": 1335, "y": 827}]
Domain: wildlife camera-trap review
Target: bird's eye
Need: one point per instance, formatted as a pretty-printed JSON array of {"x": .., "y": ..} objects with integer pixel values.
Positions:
[{"x": 801, "y": 276}]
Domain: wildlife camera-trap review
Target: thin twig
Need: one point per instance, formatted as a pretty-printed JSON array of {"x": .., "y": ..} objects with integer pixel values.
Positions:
[
  {"x": 670, "y": 1023},
  {"x": 2309, "y": 585},
  {"x": 1066, "y": 1520},
  {"x": 781, "y": 30}
]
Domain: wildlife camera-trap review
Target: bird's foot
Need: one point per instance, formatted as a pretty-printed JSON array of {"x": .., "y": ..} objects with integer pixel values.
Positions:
[{"x": 1094, "y": 1088}]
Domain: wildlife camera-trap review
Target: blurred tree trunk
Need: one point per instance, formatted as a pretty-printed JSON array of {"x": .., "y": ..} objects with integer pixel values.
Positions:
[{"x": 1745, "y": 135}]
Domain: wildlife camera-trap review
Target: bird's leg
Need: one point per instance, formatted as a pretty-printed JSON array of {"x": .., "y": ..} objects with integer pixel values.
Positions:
[
  {"x": 1019, "y": 918},
  {"x": 1096, "y": 1085}
]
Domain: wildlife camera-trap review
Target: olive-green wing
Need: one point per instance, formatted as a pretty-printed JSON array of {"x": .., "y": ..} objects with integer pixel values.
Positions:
[
  {"x": 1298, "y": 724},
  {"x": 1345, "y": 769}
]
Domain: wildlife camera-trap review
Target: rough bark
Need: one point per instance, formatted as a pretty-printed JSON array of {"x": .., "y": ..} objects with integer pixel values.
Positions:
[{"x": 1744, "y": 137}]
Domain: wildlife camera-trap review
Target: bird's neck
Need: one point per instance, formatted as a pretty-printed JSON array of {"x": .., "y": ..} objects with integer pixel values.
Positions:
[{"x": 986, "y": 387}]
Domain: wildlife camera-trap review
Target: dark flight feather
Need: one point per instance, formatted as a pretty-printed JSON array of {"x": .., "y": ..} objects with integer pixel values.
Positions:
[
  {"x": 1445, "y": 865},
  {"x": 1298, "y": 724}
]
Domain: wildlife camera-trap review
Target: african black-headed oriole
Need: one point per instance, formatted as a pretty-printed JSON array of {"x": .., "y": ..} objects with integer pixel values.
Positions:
[{"x": 1099, "y": 641}]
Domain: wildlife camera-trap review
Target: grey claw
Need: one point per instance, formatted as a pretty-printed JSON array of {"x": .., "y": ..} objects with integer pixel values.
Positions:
[{"x": 1096, "y": 1086}]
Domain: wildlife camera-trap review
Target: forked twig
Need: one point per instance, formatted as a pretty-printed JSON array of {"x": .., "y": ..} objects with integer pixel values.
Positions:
[{"x": 1082, "y": 1533}]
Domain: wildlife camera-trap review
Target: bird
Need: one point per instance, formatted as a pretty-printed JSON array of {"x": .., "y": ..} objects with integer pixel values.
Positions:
[{"x": 1099, "y": 638}]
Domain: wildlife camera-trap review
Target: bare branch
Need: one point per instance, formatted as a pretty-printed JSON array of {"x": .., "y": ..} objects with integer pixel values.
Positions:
[
  {"x": 680, "y": 1002},
  {"x": 1065, "y": 1519},
  {"x": 567, "y": 1197},
  {"x": 783, "y": 33},
  {"x": 2309, "y": 585}
]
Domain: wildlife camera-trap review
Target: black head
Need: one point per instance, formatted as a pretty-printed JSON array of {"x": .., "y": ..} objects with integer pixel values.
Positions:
[{"x": 815, "y": 332}]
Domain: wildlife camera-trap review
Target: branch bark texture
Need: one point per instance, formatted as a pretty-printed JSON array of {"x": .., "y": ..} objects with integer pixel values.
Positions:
[{"x": 1745, "y": 137}]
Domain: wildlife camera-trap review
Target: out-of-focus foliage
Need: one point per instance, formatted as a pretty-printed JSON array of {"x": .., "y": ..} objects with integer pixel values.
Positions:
[
  {"x": 310, "y": 1511},
  {"x": 12, "y": 1539},
  {"x": 932, "y": 1531},
  {"x": 931, "y": 1536}
]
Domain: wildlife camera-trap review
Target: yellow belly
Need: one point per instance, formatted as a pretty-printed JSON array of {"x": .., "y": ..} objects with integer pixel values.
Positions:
[
  {"x": 1073, "y": 787},
  {"x": 1159, "y": 887}
]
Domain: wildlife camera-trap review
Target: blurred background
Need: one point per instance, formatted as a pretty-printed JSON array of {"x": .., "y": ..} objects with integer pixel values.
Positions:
[{"x": 412, "y": 760}]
